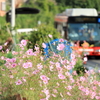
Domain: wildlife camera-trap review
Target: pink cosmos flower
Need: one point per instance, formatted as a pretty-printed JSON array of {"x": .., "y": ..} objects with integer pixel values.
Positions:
[
  {"x": 40, "y": 66},
  {"x": 82, "y": 78},
  {"x": 46, "y": 91},
  {"x": 93, "y": 94},
  {"x": 95, "y": 82},
  {"x": 7, "y": 50},
  {"x": 35, "y": 72},
  {"x": 72, "y": 80},
  {"x": 25, "y": 65},
  {"x": 94, "y": 87},
  {"x": 50, "y": 35},
  {"x": 97, "y": 97},
  {"x": 51, "y": 68},
  {"x": 14, "y": 65},
  {"x": 41, "y": 58},
  {"x": 5, "y": 43},
  {"x": 29, "y": 52},
  {"x": 58, "y": 64},
  {"x": 81, "y": 87},
  {"x": 58, "y": 67},
  {"x": 0, "y": 47},
  {"x": 2, "y": 58},
  {"x": 14, "y": 52},
  {"x": 7, "y": 64},
  {"x": 68, "y": 67},
  {"x": 27, "y": 73},
  {"x": 13, "y": 60},
  {"x": 19, "y": 82},
  {"x": 55, "y": 91},
  {"x": 92, "y": 71},
  {"x": 45, "y": 81},
  {"x": 61, "y": 40},
  {"x": 73, "y": 56},
  {"x": 87, "y": 92},
  {"x": 63, "y": 61},
  {"x": 69, "y": 87},
  {"x": 29, "y": 64},
  {"x": 99, "y": 84},
  {"x": 36, "y": 48},
  {"x": 58, "y": 84},
  {"x": 43, "y": 45},
  {"x": 35, "y": 53},
  {"x": 43, "y": 77},
  {"x": 73, "y": 62},
  {"x": 11, "y": 76},
  {"x": 68, "y": 94},
  {"x": 51, "y": 62},
  {"x": 8, "y": 59},
  {"x": 60, "y": 46},
  {"x": 61, "y": 76},
  {"x": 43, "y": 99},
  {"x": 67, "y": 62},
  {"x": 67, "y": 74},
  {"x": 23, "y": 42},
  {"x": 23, "y": 78},
  {"x": 21, "y": 46},
  {"x": 74, "y": 73}
]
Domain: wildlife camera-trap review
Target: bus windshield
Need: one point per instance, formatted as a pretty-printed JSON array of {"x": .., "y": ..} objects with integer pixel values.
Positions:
[{"x": 84, "y": 31}]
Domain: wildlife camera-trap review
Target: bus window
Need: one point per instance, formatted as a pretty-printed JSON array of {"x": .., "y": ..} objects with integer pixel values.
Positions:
[{"x": 83, "y": 31}]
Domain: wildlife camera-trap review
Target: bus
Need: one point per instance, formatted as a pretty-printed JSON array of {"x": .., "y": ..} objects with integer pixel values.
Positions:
[{"x": 83, "y": 31}]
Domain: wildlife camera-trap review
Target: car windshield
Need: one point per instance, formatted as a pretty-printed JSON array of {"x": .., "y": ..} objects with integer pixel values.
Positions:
[{"x": 84, "y": 31}]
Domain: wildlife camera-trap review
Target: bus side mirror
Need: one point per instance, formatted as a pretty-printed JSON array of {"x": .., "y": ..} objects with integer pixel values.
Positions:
[
  {"x": 65, "y": 28},
  {"x": 65, "y": 32}
]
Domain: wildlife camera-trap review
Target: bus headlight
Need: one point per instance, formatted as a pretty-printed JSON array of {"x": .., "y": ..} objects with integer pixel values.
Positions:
[{"x": 97, "y": 50}]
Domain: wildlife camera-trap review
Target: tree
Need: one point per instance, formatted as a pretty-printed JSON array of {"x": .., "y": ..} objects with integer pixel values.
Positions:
[{"x": 78, "y": 4}]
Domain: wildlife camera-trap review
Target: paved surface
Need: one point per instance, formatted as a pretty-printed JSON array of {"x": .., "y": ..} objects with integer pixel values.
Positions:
[{"x": 93, "y": 63}]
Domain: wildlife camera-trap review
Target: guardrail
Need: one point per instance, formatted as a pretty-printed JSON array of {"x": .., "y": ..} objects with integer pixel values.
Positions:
[{"x": 26, "y": 30}]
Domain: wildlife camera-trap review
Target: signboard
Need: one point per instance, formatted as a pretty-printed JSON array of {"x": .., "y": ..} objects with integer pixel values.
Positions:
[
  {"x": 84, "y": 19},
  {"x": 2, "y": 7},
  {"x": 23, "y": 10}
]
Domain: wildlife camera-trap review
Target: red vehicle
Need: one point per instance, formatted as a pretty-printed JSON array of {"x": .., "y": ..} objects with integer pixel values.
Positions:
[{"x": 81, "y": 30}]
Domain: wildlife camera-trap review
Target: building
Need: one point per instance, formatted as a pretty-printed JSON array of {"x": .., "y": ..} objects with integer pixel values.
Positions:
[
  {"x": 18, "y": 3},
  {"x": 2, "y": 7},
  {"x": 3, "y": 3}
]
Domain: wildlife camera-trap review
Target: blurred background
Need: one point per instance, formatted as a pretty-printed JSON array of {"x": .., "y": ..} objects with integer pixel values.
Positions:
[{"x": 48, "y": 9}]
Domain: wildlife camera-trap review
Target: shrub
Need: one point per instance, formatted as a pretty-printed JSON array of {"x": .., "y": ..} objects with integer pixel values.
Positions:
[
  {"x": 41, "y": 35},
  {"x": 79, "y": 67},
  {"x": 4, "y": 34}
]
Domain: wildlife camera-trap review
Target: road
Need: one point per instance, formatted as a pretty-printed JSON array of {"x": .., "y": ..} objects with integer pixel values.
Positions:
[{"x": 93, "y": 63}]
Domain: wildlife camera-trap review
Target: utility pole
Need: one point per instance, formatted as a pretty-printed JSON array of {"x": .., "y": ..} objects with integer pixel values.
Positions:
[
  {"x": 13, "y": 16},
  {"x": 13, "y": 22}
]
